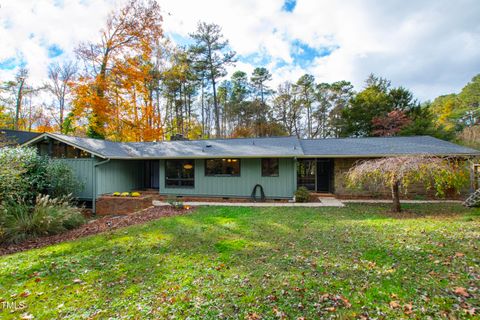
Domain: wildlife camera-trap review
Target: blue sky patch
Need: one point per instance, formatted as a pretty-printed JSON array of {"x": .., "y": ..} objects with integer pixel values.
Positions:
[
  {"x": 303, "y": 54},
  {"x": 8, "y": 64},
  {"x": 180, "y": 40},
  {"x": 54, "y": 51},
  {"x": 257, "y": 59},
  {"x": 58, "y": 3},
  {"x": 289, "y": 5},
  {"x": 7, "y": 23}
]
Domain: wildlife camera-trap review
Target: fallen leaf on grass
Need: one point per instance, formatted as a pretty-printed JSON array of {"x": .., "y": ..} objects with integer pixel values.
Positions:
[
  {"x": 220, "y": 267},
  {"x": 471, "y": 311},
  {"x": 345, "y": 301},
  {"x": 77, "y": 281},
  {"x": 394, "y": 304},
  {"x": 460, "y": 291},
  {"x": 459, "y": 254},
  {"x": 253, "y": 316},
  {"x": 279, "y": 314},
  {"x": 26, "y": 316},
  {"x": 408, "y": 308},
  {"x": 25, "y": 294}
]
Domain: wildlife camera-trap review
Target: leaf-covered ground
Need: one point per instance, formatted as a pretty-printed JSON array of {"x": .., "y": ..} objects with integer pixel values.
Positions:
[{"x": 258, "y": 263}]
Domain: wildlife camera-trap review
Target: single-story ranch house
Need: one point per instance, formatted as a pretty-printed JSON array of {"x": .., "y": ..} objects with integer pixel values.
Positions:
[{"x": 228, "y": 167}]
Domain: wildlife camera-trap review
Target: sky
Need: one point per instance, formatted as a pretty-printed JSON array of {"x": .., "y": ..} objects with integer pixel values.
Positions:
[{"x": 431, "y": 47}]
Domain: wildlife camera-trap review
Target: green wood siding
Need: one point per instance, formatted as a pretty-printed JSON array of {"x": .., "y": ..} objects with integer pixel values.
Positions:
[
  {"x": 282, "y": 186},
  {"x": 83, "y": 169},
  {"x": 119, "y": 175}
]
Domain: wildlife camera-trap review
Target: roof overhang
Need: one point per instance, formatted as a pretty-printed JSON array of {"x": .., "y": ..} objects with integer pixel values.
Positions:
[
  {"x": 386, "y": 155},
  {"x": 46, "y": 135}
]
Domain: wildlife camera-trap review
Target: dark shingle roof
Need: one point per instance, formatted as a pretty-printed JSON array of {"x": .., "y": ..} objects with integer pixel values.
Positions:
[
  {"x": 268, "y": 147},
  {"x": 104, "y": 148},
  {"x": 383, "y": 146},
  {"x": 17, "y": 137},
  {"x": 247, "y": 147},
  {"x": 244, "y": 147}
]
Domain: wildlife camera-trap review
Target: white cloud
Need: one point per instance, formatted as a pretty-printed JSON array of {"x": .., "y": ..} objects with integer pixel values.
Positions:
[{"x": 431, "y": 46}]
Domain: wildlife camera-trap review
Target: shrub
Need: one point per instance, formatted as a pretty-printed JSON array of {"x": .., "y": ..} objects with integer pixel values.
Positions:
[
  {"x": 24, "y": 174},
  {"x": 20, "y": 174},
  {"x": 125, "y": 194},
  {"x": 61, "y": 180},
  {"x": 302, "y": 195},
  {"x": 171, "y": 200},
  {"x": 116, "y": 194},
  {"x": 20, "y": 221},
  {"x": 135, "y": 194}
]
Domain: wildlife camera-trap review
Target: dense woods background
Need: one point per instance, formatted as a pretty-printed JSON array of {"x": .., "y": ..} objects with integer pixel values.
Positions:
[{"x": 133, "y": 84}]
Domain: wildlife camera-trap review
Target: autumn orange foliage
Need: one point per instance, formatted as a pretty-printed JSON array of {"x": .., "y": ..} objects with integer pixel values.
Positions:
[{"x": 115, "y": 92}]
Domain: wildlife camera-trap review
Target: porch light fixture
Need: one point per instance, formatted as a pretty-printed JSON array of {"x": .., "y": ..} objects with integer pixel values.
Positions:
[{"x": 187, "y": 166}]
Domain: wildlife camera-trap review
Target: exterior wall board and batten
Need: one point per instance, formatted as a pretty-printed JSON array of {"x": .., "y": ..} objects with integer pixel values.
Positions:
[
  {"x": 282, "y": 186},
  {"x": 83, "y": 170},
  {"x": 119, "y": 175},
  {"x": 116, "y": 175}
]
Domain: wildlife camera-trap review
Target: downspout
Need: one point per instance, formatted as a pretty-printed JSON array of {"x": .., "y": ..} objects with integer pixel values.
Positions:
[{"x": 94, "y": 195}]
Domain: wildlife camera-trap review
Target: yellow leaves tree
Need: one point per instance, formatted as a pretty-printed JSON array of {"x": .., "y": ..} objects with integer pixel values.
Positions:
[
  {"x": 131, "y": 33},
  {"x": 399, "y": 173},
  {"x": 136, "y": 118}
]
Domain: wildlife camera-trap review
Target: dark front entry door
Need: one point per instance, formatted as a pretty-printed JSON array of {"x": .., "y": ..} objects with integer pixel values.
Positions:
[
  {"x": 152, "y": 174},
  {"x": 324, "y": 175}
]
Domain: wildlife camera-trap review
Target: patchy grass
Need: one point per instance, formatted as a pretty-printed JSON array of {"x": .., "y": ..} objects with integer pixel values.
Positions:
[{"x": 258, "y": 263}]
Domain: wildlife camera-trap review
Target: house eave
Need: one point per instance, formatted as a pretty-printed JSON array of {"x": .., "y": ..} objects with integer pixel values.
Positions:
[
  {"x": 46, "y": 135},
  {"x": 385, "y": 155}
]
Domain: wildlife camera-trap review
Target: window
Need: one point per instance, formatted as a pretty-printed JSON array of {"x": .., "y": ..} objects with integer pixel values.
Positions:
[
  {"x": 222, "y": 167},
  {"x": 57, "y": 149},
  {"x": 270, "y": 167},
  {"x": 179, "y": 173}
]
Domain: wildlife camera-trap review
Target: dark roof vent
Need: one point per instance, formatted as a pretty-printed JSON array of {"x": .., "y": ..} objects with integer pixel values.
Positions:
[{"x": 207, "y": 146}]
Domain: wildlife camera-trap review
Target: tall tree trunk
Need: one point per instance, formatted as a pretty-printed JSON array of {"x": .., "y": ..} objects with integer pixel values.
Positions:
[
  {"x": 19, "y": 104},
  {"x": 216, "y": 109},
  {"x": 396, "y": 196},
  {"x": 203, "y": 110}
]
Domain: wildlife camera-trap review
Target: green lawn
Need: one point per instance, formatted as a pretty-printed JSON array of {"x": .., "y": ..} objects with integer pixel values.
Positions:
[{"x": 258, "y": 263}]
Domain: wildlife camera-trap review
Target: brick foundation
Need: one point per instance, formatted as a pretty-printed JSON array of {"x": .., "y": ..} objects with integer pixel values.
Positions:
[{"x": 107, "y": 204}]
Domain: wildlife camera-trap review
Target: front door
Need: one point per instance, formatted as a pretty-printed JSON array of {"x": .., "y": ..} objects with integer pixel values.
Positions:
[
  {"x": 152, "y": 174},
  {"x": 315, "y": 174},
  {"x": 324, "y": 175}
]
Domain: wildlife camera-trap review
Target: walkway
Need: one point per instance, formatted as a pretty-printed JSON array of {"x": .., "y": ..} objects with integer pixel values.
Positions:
[
  {"x": 324, "y": 202},
  {"x": 401, "y": 201}
]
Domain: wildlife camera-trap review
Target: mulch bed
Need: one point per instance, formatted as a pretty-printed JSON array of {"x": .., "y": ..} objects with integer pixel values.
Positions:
[{"x": 95, "y": 226}]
